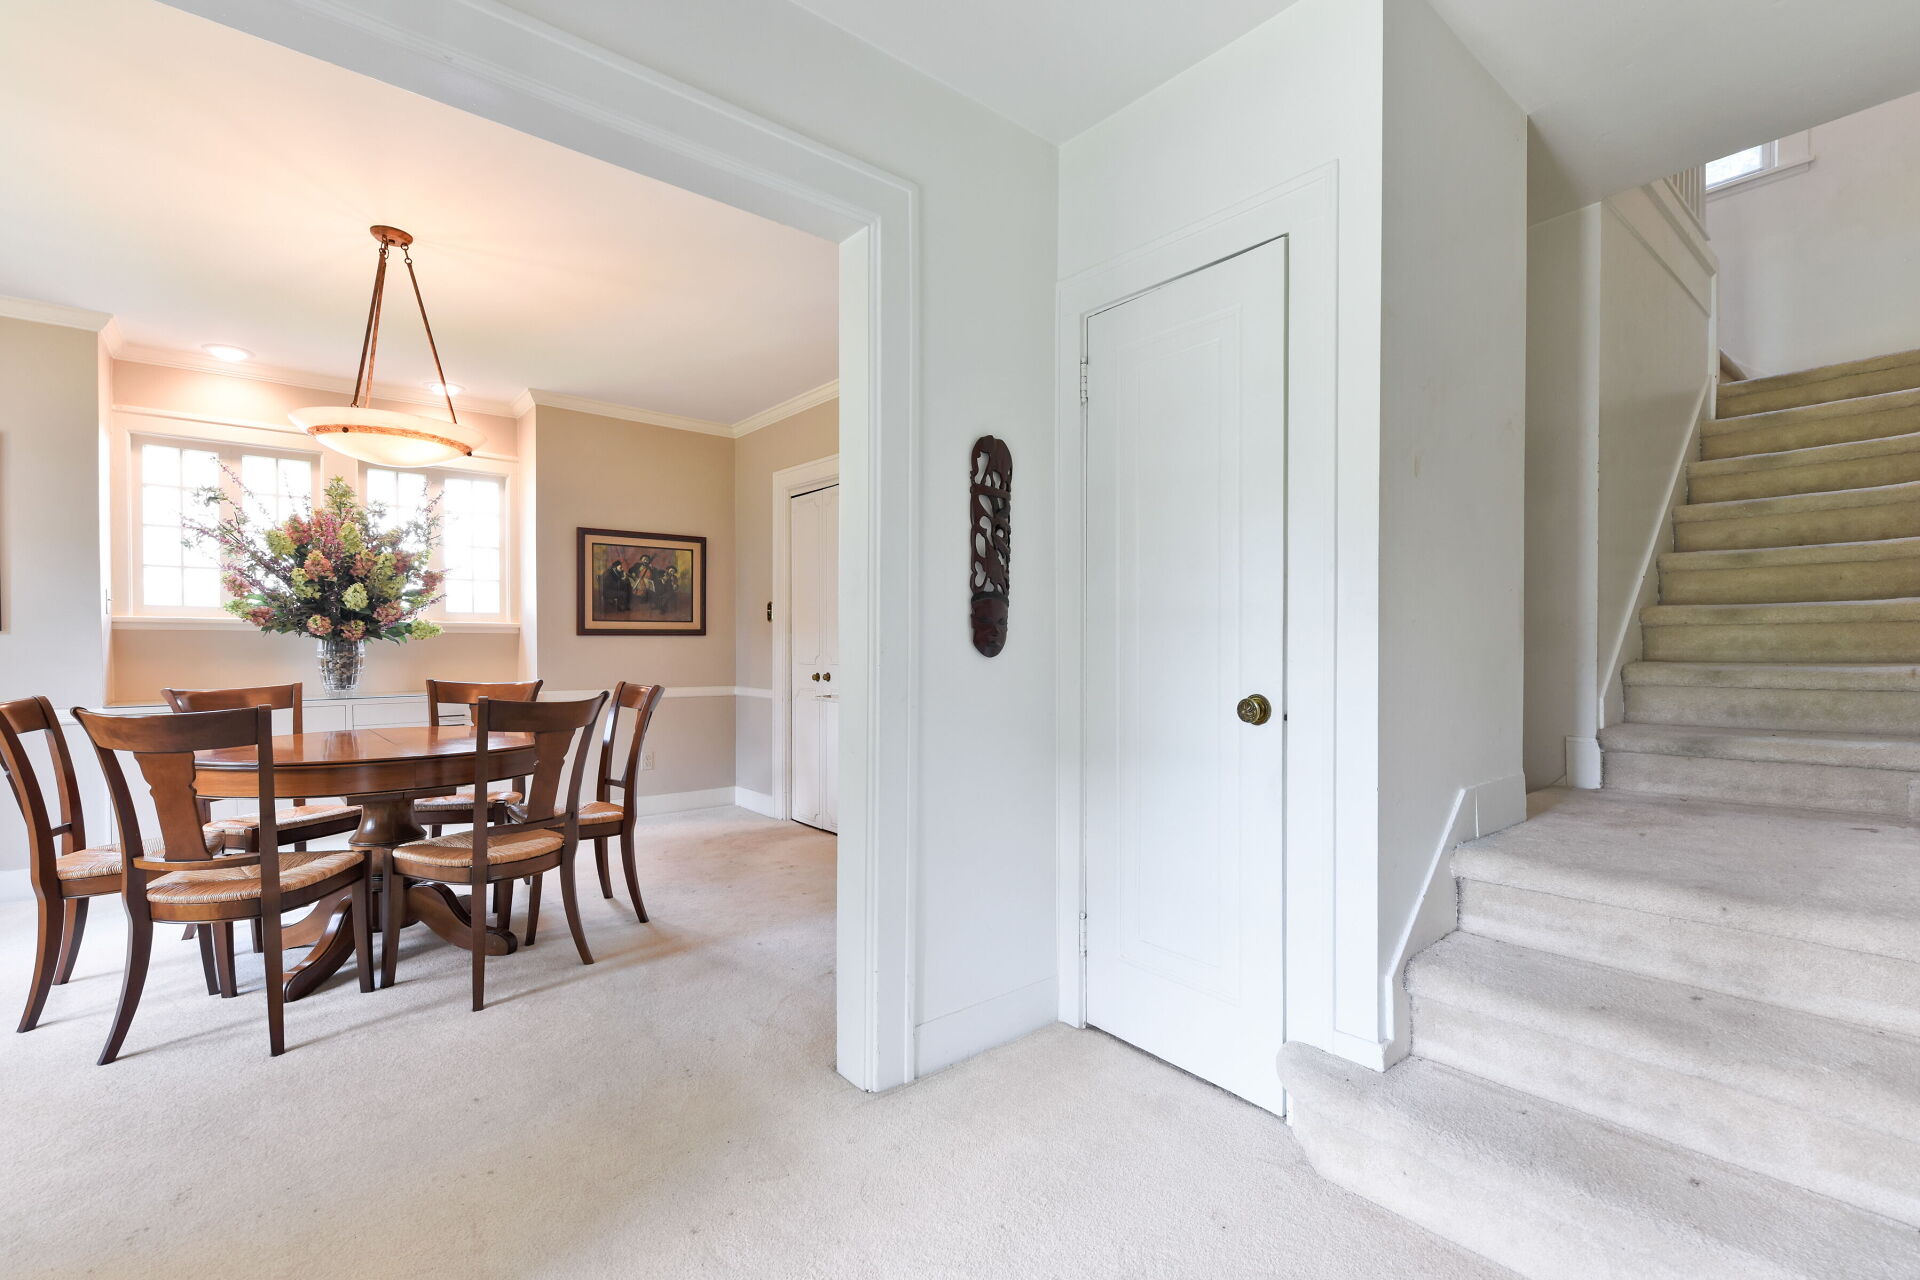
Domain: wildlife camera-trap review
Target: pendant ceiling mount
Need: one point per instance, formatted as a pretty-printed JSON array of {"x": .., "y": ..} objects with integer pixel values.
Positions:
[{"x": 384, "y": 436}]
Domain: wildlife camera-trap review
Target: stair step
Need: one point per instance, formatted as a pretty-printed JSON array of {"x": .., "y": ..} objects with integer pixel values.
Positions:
[
  {"x": 1552, "y": 1192},
  {"x": 1855, "y": 464},
  {"x": 1882, "y": 569},
  {"x": 1824, "y": 1105},
  {"x": 1896, "y": 413},
  {"x": 1853, "y": 378},
  {"x": 1763, "y": 695},
  {"x": 1846, "y": 772},
  {"x": 1880, "y": 513},
  {"x": 1803, "y": 910},
  {"x": 1832, "y": 631}
]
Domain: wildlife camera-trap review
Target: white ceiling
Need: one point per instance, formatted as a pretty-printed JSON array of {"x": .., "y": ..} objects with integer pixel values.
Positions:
[
  {"x": 1619, "y": 91},
  {"x": 205, "y": 186},
  {"x": 1053, "y": 67}
]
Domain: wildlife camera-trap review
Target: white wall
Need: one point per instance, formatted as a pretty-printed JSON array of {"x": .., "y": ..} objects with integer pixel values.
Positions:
[
  {"x": 1430, "y": 163},
  {"x": 1452, "y": 484},
  {"x": 1823, "y": 265},
  {"x": 1618, "y": 371}
]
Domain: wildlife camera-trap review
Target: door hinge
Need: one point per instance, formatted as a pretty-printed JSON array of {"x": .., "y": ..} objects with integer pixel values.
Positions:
[
  {"x": 1083, "y": 933},
  {"x": 1083, "y": 382}
]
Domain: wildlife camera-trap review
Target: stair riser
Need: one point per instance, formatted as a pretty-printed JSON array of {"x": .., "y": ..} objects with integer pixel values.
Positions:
[
  {"x": 1784, "y": 642},
  {"x": 1789, "y": 1139},
  {"x": 1810, "y": 430},
  {"x": 1825, "y": 477},
  {"x": 1881, "y": 792},
  {"x": 1821, "y": 710},
  {"x": 1871, "y": 990},
  {"x": 1540, "y": 1231},
  {"x": 1793, "y": 583},
  {"x": 1733, "y": 402},
  {"x": 1800, "y": 529}
]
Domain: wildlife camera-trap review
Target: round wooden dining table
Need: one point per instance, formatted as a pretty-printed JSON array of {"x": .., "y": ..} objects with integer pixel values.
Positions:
[{"x": 383, "y": 771}]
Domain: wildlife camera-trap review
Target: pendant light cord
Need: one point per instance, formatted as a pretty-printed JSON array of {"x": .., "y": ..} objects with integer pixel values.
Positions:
[
  {"x": 370, "y": 340},
  {"x": 432, "y": 346}
]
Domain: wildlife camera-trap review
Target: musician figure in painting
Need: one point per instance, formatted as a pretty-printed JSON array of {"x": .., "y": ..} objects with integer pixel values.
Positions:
[{"x": 616, "y": 589}]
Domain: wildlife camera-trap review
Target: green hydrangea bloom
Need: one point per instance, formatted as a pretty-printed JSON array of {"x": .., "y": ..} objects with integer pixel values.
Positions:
[
  {"x": 279, "y": 543},
  {"x": 355, "y": 598},
  {"x": 421, "y": 629}
]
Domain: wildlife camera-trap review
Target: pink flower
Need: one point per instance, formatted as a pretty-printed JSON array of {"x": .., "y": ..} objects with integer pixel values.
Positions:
[
  {"x": 354, "y": 630},
  {"x": 389, "y": 613},
  {"x": 402, "y": 561},
  {"x": 298, "y": 529},
  {"x": 364, "y": 564},
  {"x": 261, "y": 616},
  {"x": 318, "y": 625},
  {"x": 430, "y": 581},
  {"x": 318, "y": 566}
]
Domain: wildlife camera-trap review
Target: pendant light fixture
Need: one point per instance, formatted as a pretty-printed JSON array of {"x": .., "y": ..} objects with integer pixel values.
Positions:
[{"x": 382, "y": 436}]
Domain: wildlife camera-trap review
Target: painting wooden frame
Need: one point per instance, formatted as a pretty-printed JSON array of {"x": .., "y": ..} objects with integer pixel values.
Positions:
[{"x": 612, "y": 599}]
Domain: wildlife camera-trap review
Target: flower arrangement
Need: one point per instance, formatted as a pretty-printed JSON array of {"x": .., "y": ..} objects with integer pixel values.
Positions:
[{"x": 333, "y": 573}]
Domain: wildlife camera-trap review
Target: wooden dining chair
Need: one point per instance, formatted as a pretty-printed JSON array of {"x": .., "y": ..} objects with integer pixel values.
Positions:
[
  {"x": 300, "y": 821},
  {"x": 601, "y": 819},
  {"x": 544, "y": 835},
  {"x": 438, "y": 811},
  {"x": 66, "y": 871},
  {"x": 186, "y": 874}
]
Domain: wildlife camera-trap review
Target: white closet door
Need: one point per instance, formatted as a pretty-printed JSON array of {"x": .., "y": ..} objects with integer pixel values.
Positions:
[
  {"x": 1186, "y": 594},
  {"x": 814, "y": 648}
]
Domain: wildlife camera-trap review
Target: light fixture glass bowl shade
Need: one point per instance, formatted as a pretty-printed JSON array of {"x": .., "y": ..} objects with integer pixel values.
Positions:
[{"x": 385, "y": 438}]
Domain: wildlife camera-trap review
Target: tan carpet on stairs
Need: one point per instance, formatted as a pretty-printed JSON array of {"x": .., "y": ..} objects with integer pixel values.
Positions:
[{"x": 671, "y": 1111}]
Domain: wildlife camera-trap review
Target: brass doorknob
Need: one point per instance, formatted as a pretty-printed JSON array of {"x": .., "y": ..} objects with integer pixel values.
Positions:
[
  {"x": 828, "y": 677},
  {"x": 816, "y": 675},
  {"x": 1255, "y": 709}
]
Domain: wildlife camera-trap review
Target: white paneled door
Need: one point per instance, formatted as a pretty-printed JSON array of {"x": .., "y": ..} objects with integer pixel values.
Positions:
[
  {"x": 1185, "y": 668},
  {"x": 813, "y": 647}
]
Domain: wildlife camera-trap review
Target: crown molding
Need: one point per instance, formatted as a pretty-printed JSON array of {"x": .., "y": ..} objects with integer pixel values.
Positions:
[
  {"x": 522, "y": 404},
  {"x": 627, "y": 413},
  {"x": 787, "y": 408},
  {"x": 54, "y": 313},
  {"x": 199, "y": 362}
]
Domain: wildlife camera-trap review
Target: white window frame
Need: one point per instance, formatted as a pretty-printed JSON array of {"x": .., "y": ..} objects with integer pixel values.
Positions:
[
  {"x": 229, "y": 452},
  {"x": 1780, "y": 158},
  {"x": 437, "y": 478}
]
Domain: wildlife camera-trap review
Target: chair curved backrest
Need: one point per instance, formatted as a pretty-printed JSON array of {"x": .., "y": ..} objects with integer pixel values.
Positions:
[
  {"x": 163, "y": 747},
  {"x": 464, "y": 693},
  {"x": 46, "y": 839},
  {"x": 558, "y": 728},
  {"x": 641, "y": 699},
  {"x": 281, "y": 697}
]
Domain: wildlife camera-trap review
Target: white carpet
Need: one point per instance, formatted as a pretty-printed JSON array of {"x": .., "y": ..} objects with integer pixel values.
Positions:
[{"x": 670, "y": 1111}]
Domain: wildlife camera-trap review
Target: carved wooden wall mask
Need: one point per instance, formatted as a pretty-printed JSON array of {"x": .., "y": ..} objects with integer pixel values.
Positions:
[{"x": 991, "y": 474}]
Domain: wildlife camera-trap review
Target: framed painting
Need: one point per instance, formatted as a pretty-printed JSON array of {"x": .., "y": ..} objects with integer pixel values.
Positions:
[{"x": 641, "y": 584}]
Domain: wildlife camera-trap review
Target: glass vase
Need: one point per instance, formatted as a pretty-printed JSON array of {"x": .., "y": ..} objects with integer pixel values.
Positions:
[{"x": 340, "y": 661}]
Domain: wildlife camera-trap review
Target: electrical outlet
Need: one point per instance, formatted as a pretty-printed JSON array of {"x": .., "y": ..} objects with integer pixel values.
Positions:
[{"x": 646, "y": 760}]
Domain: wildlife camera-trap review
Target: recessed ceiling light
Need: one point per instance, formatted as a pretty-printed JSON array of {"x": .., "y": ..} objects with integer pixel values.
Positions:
[
  {"x": 226, "y": 351},
  {"x": 445, "y": 388}
]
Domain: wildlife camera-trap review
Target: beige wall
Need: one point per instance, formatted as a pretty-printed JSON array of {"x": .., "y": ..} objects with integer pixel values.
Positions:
[
  {"x": 806, "y": 436},
  {"x": 591, "y": 471}
]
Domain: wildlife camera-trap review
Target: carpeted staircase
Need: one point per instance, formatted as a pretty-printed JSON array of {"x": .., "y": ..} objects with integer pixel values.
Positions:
[{"x": 1678, "y": 1031}]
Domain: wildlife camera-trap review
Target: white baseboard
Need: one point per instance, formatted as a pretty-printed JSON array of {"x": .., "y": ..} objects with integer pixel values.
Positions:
[
  {"x": 681, "y": 801},
  {"x": 756, "y": 801},
  {"x": 976, "y": 1028},
  {"x": 1479, "y": 810},
  {"x": 1583, "y": 763}
]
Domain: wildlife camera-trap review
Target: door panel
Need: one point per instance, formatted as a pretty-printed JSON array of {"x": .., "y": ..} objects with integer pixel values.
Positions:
[
  {"x": 814, "y": 648},
  {"x": 1185, "y": 614}
]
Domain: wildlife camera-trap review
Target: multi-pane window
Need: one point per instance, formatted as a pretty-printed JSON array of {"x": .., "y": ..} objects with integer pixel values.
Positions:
[
  {"x": 275, "y": 487},
  {"x": 176, "y": 571},
  {"x": 472, "y": 532}
]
